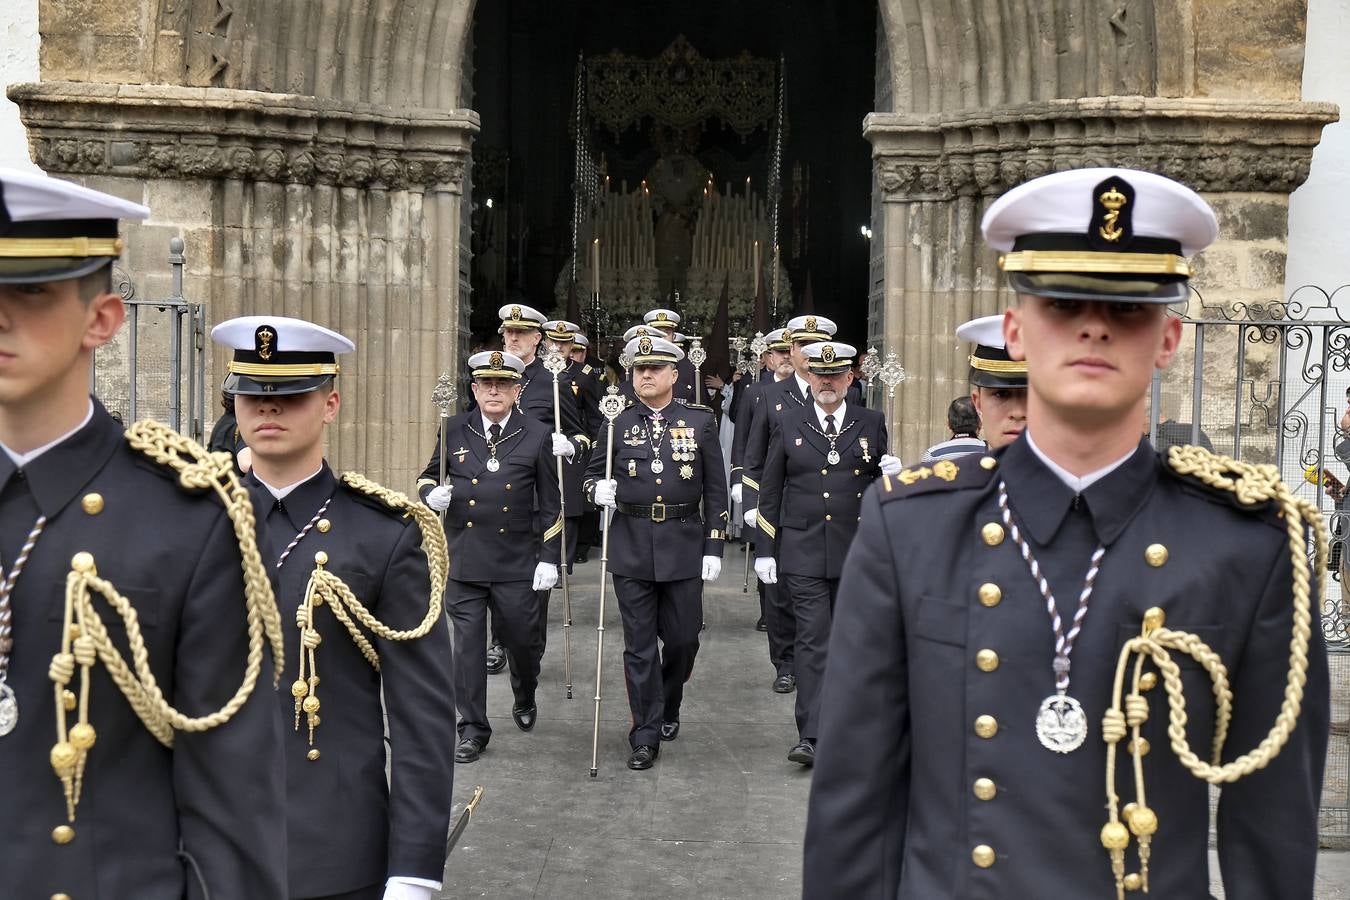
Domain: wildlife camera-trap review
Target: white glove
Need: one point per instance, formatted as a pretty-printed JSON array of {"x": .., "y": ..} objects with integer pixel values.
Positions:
[
  {"x": 767, "y": 570},
  {"x": 736, "y": 493},
  {"x": 712, "y": 567},
  {"x": 439, "y": 498},
  {"x": 562, "y": 446},
  {"x": 545, "y": 576},
  {"x": 605, "y": 489},
  {"x": 890, "y": 465},
  {"x": 403, "y": 890},
  {"x": 750, "y": 517}
]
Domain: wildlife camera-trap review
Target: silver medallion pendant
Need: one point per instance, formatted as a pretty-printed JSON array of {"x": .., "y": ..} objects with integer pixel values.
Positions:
[
  {"x": 1061, "y": 724},
  {"x": 493, "y": 465},
  {"x": 9, "y": 710},
  {"x": 658, "y": 467},
  {"x": 833, "y": 457}
]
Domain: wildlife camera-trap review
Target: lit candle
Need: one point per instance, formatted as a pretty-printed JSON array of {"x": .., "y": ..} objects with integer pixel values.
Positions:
[
  {"x": 756, "y": 268},
  {"x": 595, "y": 267}
]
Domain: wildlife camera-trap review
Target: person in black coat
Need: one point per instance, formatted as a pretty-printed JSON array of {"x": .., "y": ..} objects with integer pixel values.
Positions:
[
  {"x": 97, "y": 803},
  {"x": 819, "y": 462},
  {"x": 669, "y": 495},
  {"x": 980, "y": 681},
  {"x": 360, "y": 573},
  {"x": 500, "y": 499}
]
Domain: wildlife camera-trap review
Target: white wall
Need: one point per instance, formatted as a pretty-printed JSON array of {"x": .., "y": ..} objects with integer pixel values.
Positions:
[
  {"x": 18, "y": 62},
  {"x": 1319, "y": 211}
]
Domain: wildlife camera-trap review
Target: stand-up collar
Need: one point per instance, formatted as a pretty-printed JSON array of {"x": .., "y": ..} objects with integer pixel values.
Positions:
[
  {"x": 55, "y": 477},
  {"x": 300, "y": 505},
  {"x": 1040, "y": 500}
]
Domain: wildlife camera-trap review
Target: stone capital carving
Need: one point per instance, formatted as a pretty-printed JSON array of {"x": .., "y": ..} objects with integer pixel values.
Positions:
[
  {"x": 204, "y": 133},
  {"x": 1211, "y": 145}
]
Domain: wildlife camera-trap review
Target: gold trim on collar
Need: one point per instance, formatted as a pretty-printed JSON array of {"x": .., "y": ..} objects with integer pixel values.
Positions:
[
  {"x": 59, "y": 247},
  {"x": 242, "y": 368},
  {"x": 1001, "y": 366},
  {"x": 1092, "y": 263}
]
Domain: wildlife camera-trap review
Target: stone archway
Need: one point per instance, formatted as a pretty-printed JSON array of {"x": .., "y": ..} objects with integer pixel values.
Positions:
[{"x": 315, "y": 158}]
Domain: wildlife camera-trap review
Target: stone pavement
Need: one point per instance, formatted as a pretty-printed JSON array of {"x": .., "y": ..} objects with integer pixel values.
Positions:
[{"x": 722, "y": 813}]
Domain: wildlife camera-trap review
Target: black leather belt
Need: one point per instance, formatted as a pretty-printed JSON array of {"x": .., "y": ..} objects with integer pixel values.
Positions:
[{"x": 657, "y": 512}]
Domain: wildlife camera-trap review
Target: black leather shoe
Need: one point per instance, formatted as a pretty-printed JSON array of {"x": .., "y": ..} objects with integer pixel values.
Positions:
[
  {"x": 785, "y": 684},
  {"x": 524, "y": 715},
  {"x": 496, "y": 659},
  {"x": 643, "y": 757},
  {"x": 670, "y": 731},
  {"x": 804, "y": 753},
  {"x": 583, "y": 557},
  {"x": 761, "y": 625},
  {"x": 469, "y": 750}
]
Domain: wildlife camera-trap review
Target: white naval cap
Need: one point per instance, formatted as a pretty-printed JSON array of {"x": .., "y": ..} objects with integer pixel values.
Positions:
[
  {"x": 580, "y": 340},
  {"x": 829, "y": 357},
  {"x": 52, "y": 230},
  {"x": 561, "y": 329},
  {"x": 990, "y": 364},
  {"x": 777, "y": 340},
  {"x": 516, "y": 315},
  {"x": 640, "y": 330},
  {"x": 677, "y": 337},
  {"x": 1100, "y": 234},
  {"x": 278, "y": 354},
  {"x": 666, "y": 319},
  {"x": 496, "y": 364},
  {"x": 810, "y": 328},
  {"x": 652, "y": 351}
]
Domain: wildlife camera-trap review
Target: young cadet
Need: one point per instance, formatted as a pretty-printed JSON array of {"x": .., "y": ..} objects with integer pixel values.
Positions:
[
  {"x": 775, "y": 609},
  {"x": 109, "y": 790},
  {"x": 669, "y": 497},
  {"x": 983, "y": 693},
  {"x": 819, "y": 462},
  {"x": 500, "y": 495},
  {"x": 360, "y": 572},
  {"x": 998, "y": 383}
]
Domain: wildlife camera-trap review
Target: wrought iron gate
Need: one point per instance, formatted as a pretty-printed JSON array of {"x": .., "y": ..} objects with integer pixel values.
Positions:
[
  {"x": 1269, "y": 382},
  {"x": 156, "y": 366}
]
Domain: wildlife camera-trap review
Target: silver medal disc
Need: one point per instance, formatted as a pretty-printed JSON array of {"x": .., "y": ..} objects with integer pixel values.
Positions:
[
  {"x": 493, "y": 465},
  {"x": 1061, "y": 724},
  {"x": 9, "y": 710},
  {"x": 833, "y": 457},
  {"x": 658, "y": 467}
]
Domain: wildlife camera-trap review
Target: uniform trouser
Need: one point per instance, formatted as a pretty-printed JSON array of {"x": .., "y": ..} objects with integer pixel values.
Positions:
[
  {"x": 813, "y": 602},
  {"x": 671, "y": 612},
  {"x": 570, "y": 531},
  {"x": 515, "y": 612},
  {"x": 781, "y": 623},
  {"x": 588, "y": 530}
]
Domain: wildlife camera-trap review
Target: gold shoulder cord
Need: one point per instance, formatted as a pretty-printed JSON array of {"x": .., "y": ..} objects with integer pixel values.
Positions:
[
  {"x": 1252, "y": 484},
  {"x": 325, "y": 586},
  {"x": 85, "y": 638}
]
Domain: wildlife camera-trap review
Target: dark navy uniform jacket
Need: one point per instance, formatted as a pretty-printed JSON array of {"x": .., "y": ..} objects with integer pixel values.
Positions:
[
  {"x": 895, "y": 810},
  {"x": 536, "y": 401},
  {"x": 672, "y": 549},
  {"x": 217, "y": 794},
  {"x": 495, "y": 519},
  {"x": 774, "y": 400},
  {"x": 810, "y": 504},
  {"x": 347, "y": 829}
]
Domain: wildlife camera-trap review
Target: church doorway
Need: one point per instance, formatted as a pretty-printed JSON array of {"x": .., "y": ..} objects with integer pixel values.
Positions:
[{"x": 701, "y": 125}]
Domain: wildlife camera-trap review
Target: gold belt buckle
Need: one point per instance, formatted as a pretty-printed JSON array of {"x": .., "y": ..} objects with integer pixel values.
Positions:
[{"x": 658, "y": 512}]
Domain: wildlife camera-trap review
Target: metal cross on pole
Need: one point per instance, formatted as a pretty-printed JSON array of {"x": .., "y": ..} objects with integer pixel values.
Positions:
[
  {"x": 554, "y": 364},
  {"x": 443, "y": 396},
  {"x": 870, "y": 367},
  {"x": 891, "y": 375}
]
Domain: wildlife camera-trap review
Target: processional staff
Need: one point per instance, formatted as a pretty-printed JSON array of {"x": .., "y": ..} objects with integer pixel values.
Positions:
[
  {"x": 698, "y": 356},
  {"x": 554, "y": 364},
  {"x": 870, "y": 367},
  {"x": 443, "y": 396},
  {"x": 891, "y": 375},
  {"x": 610, "y": 406}
]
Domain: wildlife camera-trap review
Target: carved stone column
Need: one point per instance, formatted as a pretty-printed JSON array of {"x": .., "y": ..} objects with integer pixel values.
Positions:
[
  {"x": 346, "y": 214},
  {"x": 939, "y": 172}
]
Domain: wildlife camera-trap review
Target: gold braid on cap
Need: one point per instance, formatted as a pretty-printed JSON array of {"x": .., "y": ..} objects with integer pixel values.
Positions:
[
  {"x": 1001, "y": 366},
  {"x": 85, "y": 640},
  {"x": 1093, "y": 263},
  {"x": 1252, "y": 484},
  {"x": 324, "y": 586}
]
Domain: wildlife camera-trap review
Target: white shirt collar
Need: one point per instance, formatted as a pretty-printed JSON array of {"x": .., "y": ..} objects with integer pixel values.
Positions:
[
  {"x": 802, "y": 384},
  {"x": 1076, "y": 483},
  {"x": 281, "y": 492},
  {"x": 838, "y": 415},
  {"x": 23, "y": 459},
  {"x": 487, "y": 423}
]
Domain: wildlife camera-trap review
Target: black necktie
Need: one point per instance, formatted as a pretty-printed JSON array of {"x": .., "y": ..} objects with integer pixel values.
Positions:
[
  {"x": 829, "y": 426},
  {"x": 494, "y": 433},
  {"x": 807, "y": 393}
]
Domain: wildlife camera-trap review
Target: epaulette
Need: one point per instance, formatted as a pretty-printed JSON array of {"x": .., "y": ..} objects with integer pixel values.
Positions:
[
  {"x": 586, "y": 368},
  {"x": 963, "y": 473},
  {"x": 1193, "y": 484},
  {"x": 374, "y": 501}
]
